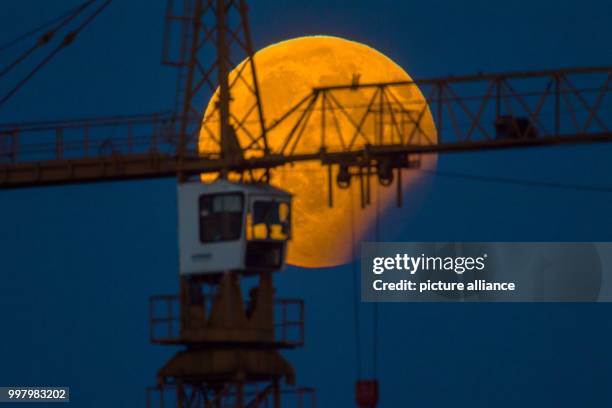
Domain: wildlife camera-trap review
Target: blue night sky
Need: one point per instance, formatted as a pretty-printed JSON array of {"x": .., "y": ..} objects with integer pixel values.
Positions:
[{"x": 79, "y": 262}]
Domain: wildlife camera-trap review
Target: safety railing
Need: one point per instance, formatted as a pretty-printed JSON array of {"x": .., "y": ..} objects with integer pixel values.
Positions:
[
  {"x": 356, "y": 124},
  {"x": 254, "y": 396},
  {"x": 165, "y": 320},
  {"x": 86, "y": 138}
]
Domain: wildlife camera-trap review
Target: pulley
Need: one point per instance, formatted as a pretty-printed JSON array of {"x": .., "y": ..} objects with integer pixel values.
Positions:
[
  {"x": 343, "y": 178},
  {"x": 384, "y": 170}
]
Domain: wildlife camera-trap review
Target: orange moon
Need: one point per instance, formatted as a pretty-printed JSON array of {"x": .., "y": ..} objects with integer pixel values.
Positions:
[{"x": 287, "y": 72}]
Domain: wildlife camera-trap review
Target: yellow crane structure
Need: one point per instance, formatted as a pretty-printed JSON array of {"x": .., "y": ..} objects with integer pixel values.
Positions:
[{"x": 233, "y": 232}]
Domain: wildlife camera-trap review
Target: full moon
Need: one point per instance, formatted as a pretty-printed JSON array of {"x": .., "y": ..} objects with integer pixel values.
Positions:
[{"x": 287, "y": 72}]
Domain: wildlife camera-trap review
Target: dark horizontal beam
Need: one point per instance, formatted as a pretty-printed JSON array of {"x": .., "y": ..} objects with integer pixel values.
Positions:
[
  {"x": 474, "y": 78},
  {"x": 144, "y": 146},
  {"x": 85, "y": 122},
  {"x": 157, "y": 165}
]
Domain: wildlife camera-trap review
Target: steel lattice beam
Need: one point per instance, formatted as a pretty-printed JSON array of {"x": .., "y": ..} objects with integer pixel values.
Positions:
[{"x": 538, "y": 108}]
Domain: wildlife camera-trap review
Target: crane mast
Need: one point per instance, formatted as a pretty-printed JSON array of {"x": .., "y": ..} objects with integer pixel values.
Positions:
[{"x": 230, "y": 344}]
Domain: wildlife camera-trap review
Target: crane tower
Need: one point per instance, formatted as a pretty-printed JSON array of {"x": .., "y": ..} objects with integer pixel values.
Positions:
[
  {"x": 233, "y": 236},
  {"x": 227, "y": 232}
]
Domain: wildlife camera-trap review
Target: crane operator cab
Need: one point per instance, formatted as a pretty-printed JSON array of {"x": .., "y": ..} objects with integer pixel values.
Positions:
[{"x": 225, "y": 226}]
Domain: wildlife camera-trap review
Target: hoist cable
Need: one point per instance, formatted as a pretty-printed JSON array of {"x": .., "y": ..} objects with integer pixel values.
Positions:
[
  {"x": 70, "y": 37},
  {"x": 355, "y": 273},
  {"x": 44, "y": 39},
  {"x": 375, "y": 311},
  {"x": 519, "y": 182},
  {"x": 42, "y": 26}
]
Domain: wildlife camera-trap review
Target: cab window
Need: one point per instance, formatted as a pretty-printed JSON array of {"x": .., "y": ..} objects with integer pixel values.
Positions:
[
  {"x": 220, "y": 217},
  {"x": 269, "y": 220}
]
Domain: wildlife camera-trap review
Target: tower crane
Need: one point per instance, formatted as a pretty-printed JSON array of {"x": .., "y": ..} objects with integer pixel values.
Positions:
[{"x": 231, "y": 230}]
